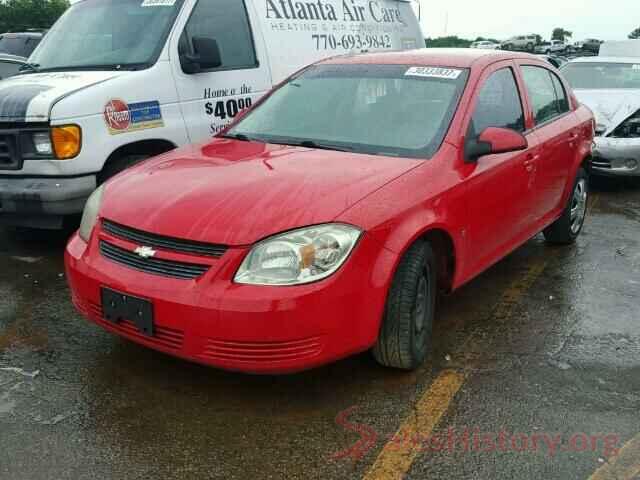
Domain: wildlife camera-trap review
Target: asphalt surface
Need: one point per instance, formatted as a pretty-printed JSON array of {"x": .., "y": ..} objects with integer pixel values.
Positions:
[{"x": 547, "y": 342}]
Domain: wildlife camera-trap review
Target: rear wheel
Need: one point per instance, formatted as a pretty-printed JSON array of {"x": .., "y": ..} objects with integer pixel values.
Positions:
[
  {"x": 530, "y": 47},
  {"x": 567, "y": 228},
  {"x": 405, "y": 335}
]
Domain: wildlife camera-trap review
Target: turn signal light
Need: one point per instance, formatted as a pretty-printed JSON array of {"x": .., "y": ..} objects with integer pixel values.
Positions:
[{"x": 67, "y": 141}]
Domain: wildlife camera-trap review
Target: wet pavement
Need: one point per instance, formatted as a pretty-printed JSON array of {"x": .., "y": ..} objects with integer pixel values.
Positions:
[{"x": 545, "y": 345}]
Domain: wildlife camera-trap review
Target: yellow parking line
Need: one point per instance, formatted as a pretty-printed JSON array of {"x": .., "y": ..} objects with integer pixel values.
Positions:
[
  {"x": 396, "y": 458},
  {"x": 624, "y": 466}
]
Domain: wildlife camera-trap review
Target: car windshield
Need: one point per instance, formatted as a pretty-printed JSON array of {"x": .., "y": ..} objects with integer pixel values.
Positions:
[
  {"x": 597, "y": 76},
  {"x": 14, "y": 45},
  {"x": 397, "y": 110},
  {"x": 107, "y": 34}
]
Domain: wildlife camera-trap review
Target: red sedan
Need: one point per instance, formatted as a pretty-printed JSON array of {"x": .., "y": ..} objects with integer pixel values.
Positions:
[{"x": 324, "y": 221}]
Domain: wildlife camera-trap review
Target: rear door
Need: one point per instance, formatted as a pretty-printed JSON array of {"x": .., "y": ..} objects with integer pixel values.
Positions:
[
  {"x": 211, "y": 98},
  {"x": 555, "y": 127},
  {"x": 499, "y": 186}
]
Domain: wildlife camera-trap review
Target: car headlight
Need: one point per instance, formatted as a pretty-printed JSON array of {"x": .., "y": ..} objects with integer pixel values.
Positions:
[
  {"x": 90, "y": 214},
  {"x": 300, "y": 256},
  {"x": 42, "y": 143}
]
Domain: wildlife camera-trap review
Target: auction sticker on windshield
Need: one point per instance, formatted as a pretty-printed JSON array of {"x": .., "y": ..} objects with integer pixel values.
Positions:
[
  {"x": 434, "y": 72},
  {"x": 158, "y": 3}
]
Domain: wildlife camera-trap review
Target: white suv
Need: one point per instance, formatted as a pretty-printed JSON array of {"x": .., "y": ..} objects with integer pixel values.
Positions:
[
  {"x": 554, "y": 46},
  {"x": 485, "y": 45},
  {"x": 521, "y": 42}
]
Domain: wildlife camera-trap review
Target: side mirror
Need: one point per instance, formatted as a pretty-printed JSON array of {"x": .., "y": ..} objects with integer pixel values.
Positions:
[
  {"x": 493, "y": 141},
  {"x": 205, "y": 57}
]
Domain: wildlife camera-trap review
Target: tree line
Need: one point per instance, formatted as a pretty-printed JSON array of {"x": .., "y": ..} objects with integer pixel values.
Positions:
[{"x": 21, "y": 15}]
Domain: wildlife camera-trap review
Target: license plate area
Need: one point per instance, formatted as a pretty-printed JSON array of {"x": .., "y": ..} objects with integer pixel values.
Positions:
[{"x": 117, "y": 307}]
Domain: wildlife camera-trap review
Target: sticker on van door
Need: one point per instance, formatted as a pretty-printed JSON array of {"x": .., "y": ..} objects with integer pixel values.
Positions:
[{"x": 121, "y": 117}]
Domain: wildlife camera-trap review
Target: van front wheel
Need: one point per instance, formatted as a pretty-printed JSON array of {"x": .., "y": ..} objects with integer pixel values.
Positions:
[{"x": 117, "y": 165}]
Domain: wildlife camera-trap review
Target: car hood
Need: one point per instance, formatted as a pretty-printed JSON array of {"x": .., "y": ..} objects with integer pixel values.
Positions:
[
  {"x": 611, "y": 107},
  {"x": 30, "y": 97},
  {"x": 235, "y": 193}
]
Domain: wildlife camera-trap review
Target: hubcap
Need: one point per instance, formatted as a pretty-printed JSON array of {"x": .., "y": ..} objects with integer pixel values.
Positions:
[{"x": 579, "y": 206}]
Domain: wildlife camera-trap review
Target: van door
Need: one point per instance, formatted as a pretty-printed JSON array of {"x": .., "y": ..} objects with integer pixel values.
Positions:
[{"x": 212, "y": 97}]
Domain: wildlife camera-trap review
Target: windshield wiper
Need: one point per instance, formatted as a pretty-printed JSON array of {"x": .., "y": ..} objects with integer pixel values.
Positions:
[
  {"x": 320, "y": 146},
  {"x": 237, "y": 136},
  {"x": 32, "y": 67}
]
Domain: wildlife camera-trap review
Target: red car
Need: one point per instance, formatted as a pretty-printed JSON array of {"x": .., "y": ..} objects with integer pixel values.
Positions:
[{"x": 325, "y": 220}]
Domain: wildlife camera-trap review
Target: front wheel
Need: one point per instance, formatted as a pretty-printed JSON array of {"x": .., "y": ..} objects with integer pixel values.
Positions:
[
  {"x": 405, "y": 335},
  {"x": 567, "y": 228}
]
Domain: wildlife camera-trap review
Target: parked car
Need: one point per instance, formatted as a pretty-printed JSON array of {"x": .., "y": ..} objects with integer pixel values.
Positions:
[
  {"x": 10, "y": 65},
  {"x": 326, "y": 219},
  {"x": 610, "y": 86},
  {"x": 21, "y": 44},
  {"x": 521, "y": 42},
  {"x": 552, "y": 47},
  {"x": 589, "y": 45},
  {"x": 485, "y": 45},
  {"x": 116, "y": 98}
]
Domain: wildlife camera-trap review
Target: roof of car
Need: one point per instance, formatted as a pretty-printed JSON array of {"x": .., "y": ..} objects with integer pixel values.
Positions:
[
  {"x": 22, "y": 34},
  {"x": 633, "y": 60},
  {"x": 443, "y": 57}
]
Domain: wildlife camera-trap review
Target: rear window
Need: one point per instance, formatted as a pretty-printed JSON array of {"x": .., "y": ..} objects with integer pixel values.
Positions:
[
  {"x": 595, "y": 76},
  {"x": 397, "y": 110}
]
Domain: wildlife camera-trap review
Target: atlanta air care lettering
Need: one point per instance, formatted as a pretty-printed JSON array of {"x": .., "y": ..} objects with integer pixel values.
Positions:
[{"x": 325, "y": 11}]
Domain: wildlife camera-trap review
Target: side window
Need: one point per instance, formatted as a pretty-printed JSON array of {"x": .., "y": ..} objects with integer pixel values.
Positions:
[
  {"x": 226, "y": 22},
  {"x": 499, "y": 104},
  {"x": 561, "y": 94},
  {"x": 542, "y": 92}
]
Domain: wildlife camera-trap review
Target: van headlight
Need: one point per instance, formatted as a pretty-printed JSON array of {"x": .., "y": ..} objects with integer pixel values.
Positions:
[
  {"x": 90, "y": 214},
  {"x": 300, "y": 256}
]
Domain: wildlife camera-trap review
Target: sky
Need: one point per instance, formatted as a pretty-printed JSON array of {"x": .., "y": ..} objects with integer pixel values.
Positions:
[{"x": 501, "y": 19}]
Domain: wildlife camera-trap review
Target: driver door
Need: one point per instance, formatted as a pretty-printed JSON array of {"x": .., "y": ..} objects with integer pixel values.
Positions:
[{"x": 211, "y": 98}]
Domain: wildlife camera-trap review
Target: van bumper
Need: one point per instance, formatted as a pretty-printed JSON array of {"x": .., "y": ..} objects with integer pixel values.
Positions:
[{"x": 42, "y": 202}]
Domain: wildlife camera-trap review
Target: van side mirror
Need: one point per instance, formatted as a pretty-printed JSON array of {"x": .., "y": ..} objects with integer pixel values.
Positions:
[
  {"x": 493, "y": 141},
  {"x": 205, "y": 57}
]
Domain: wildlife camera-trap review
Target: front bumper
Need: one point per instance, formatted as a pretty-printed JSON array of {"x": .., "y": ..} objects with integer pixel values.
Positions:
[
  {"x": 616, "y": 156},
  {"x": 43, "y": 201},
  {"x": 256, "y": 329}
]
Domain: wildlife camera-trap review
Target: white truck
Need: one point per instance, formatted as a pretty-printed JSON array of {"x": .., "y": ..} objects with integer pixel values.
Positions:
[{"x": 117, "y": 81}]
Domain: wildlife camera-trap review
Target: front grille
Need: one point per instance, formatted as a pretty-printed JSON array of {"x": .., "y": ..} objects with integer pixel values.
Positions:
[
  {"x": 226, "y": 350},
  {"x": 601, "y": 163},
  {"x": 165, "y": 268},
  {"x": 163, "y": 242},
  {"x": 163, "y": 336},
  {"x": 9, "y": 158}
]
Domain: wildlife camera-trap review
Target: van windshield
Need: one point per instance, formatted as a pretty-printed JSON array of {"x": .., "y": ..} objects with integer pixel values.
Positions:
[
  {"x": 397, "y": 110},
  {"x": 107, "y": 34}
]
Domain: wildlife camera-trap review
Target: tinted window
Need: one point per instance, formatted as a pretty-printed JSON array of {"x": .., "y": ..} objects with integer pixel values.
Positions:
[
  {"x": 542, "y": 93},
  {"x": 7, "y": 69},
  {"x": 396, "y": 110},
  {"x": 499, "y": 104},
  {"x": 561, "y": 94},
  {"x": 14, "y": 45},
  {"x": 226, "y": 22}
]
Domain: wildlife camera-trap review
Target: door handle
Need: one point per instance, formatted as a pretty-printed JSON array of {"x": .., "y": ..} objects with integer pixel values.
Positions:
[{"x": 530, "y": 162}]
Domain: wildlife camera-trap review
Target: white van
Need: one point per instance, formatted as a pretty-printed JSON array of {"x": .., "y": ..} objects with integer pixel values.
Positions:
[{"x": 116, "y": 81}]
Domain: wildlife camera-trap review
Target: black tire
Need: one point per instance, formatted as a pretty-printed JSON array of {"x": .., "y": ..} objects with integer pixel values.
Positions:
[
  {"x": 567, "y": 228},
  {"x": 530, "y": 47},
  {"x": 405, "y": 336},
  {"x": 117, "y": 165}
]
